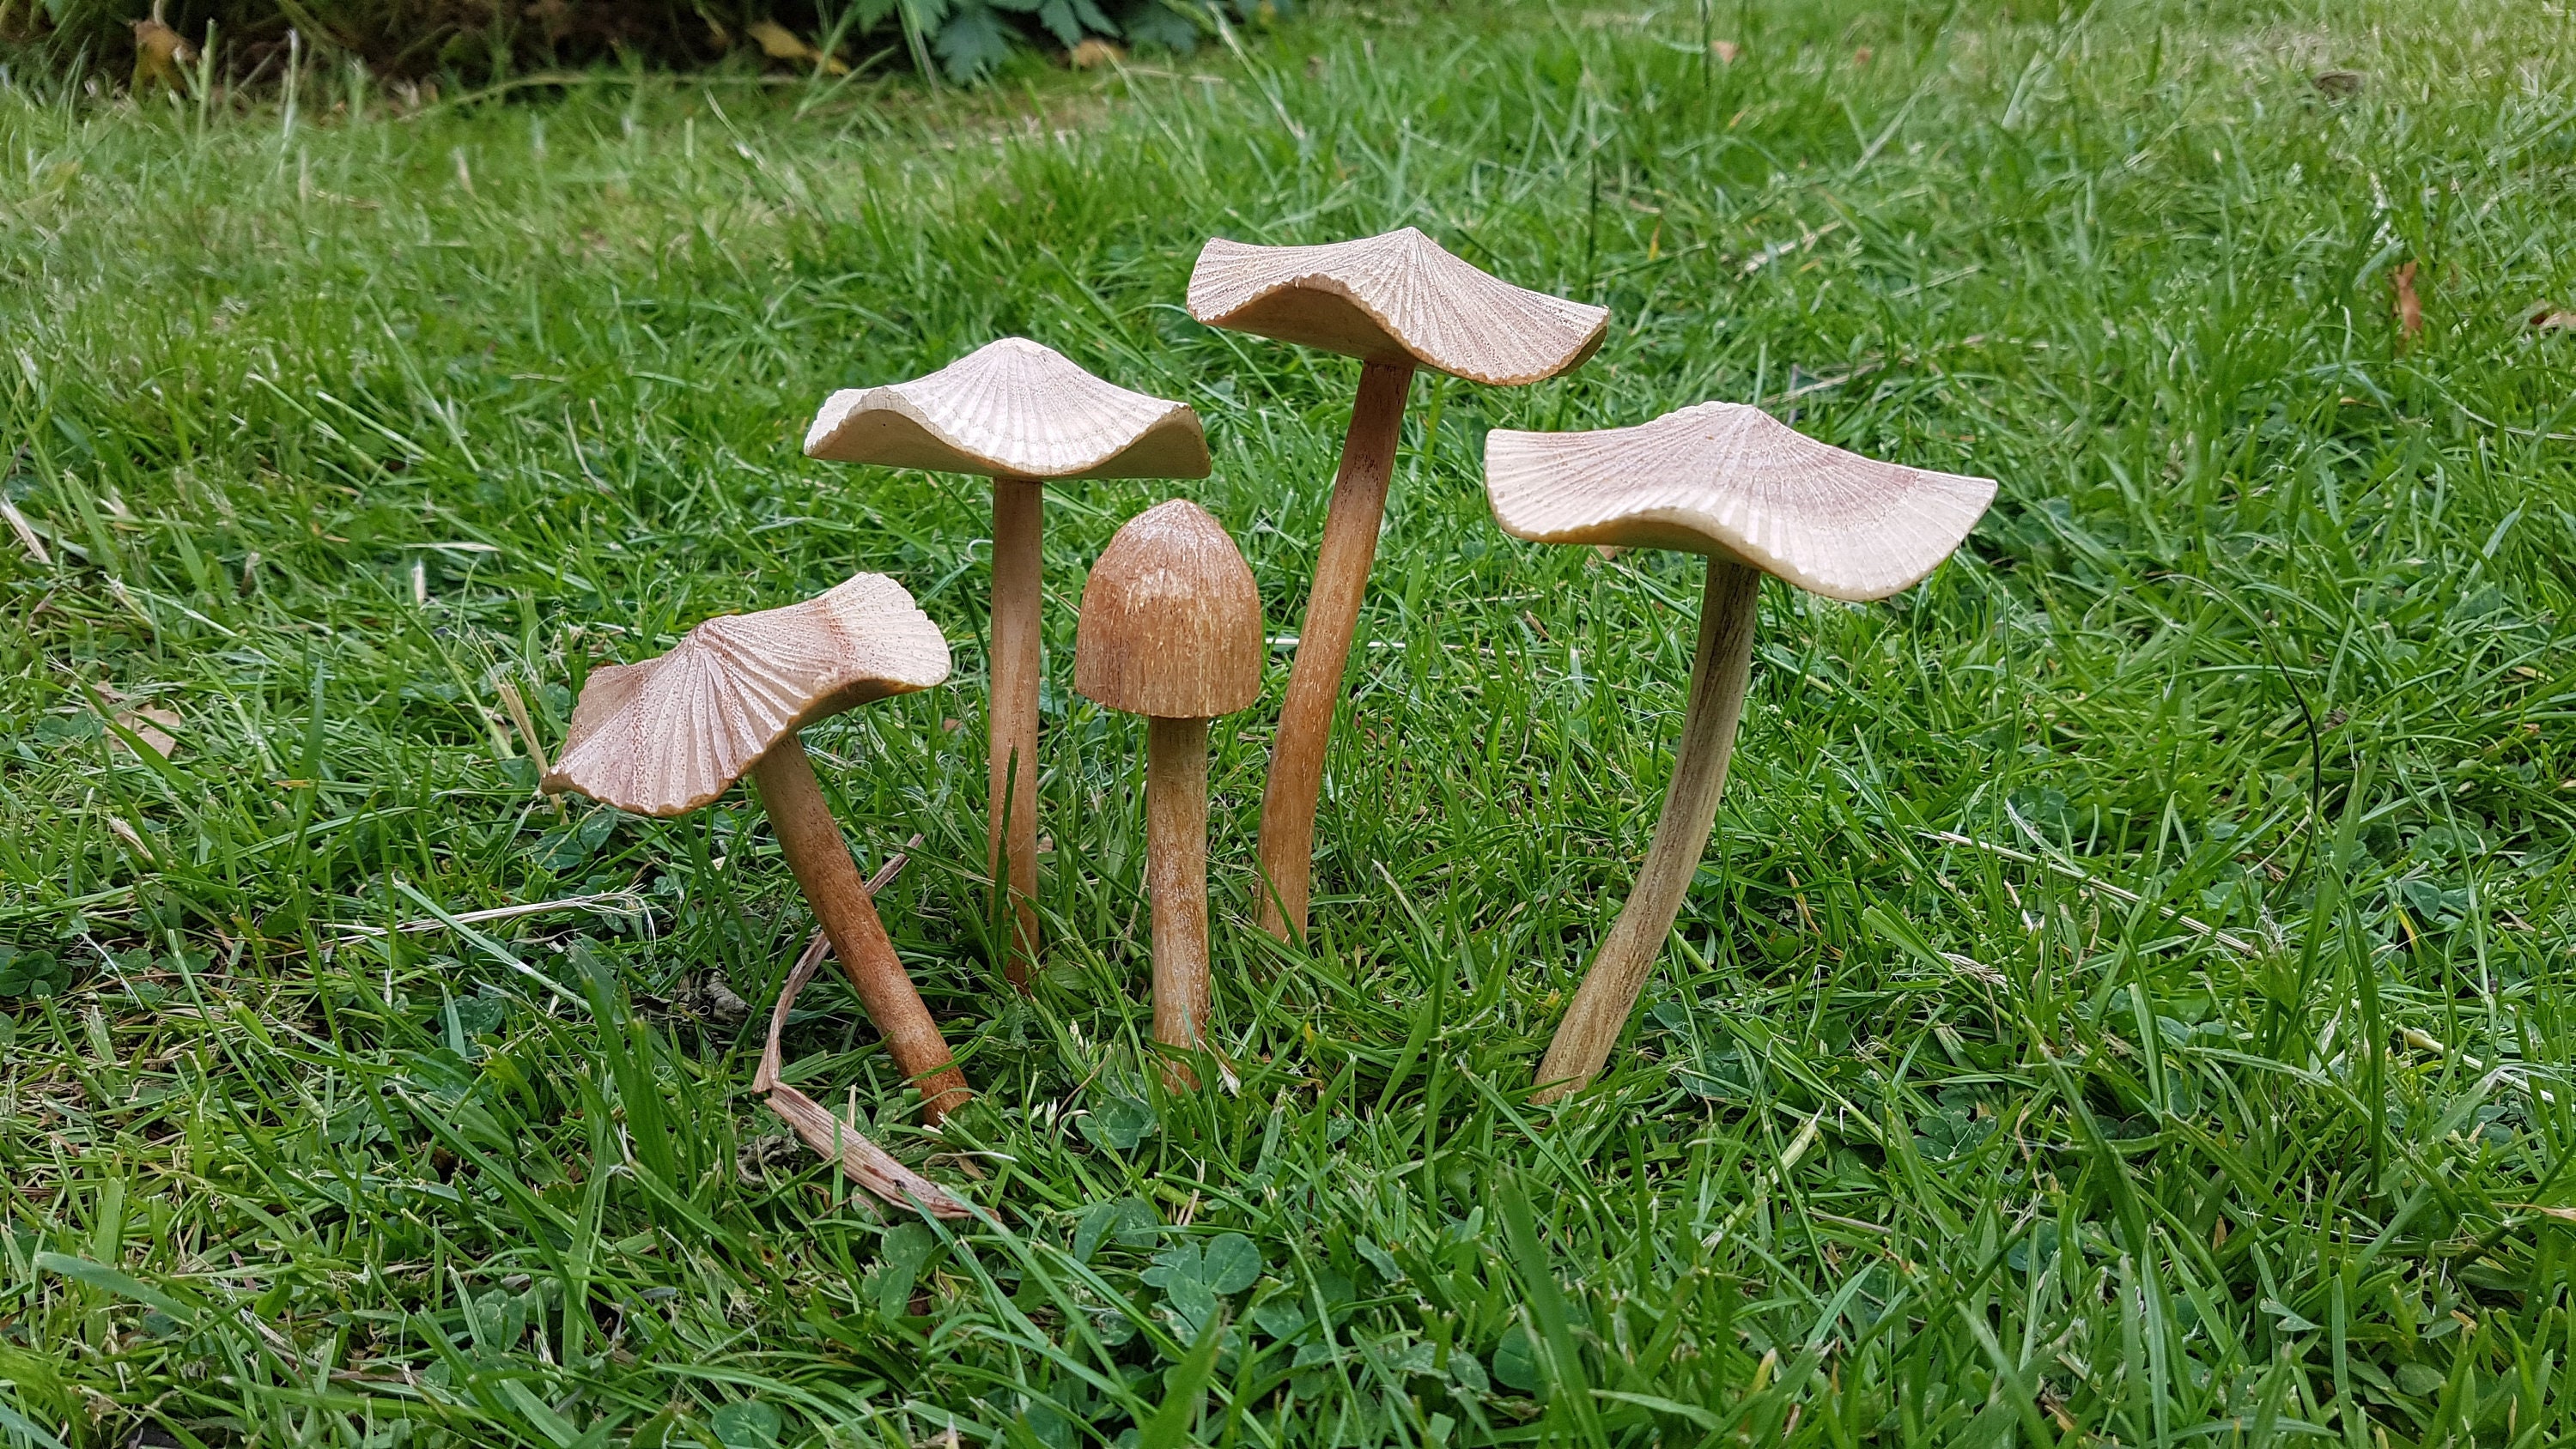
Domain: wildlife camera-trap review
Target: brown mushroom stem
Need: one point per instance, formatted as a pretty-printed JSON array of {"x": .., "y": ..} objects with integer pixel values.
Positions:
[
  {"x": 1324, "y": 645},
  {"x": 1013, "y": 770},
  {"x": 820, "y": 858},
  {"x": 1176, "y": 775},
  {"x": 1719, "y": 673}
]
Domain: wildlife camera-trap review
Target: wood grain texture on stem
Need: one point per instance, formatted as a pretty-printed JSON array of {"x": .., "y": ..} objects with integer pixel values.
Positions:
[
  {"x": 1721, "y": 668},
  {"x": 815, "y": 850},
  {"x": 1176, "y": 776},
  {"x": 1342, "y": 564},
  {"x": 1012, "y": 770},
  {"x": 1171, "y": 629}
]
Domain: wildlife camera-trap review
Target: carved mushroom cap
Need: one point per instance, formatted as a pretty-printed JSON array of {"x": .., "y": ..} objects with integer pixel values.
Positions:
[
  {"x": 1011, "y": 409},
  {"x": 1395, "y": 298},
  {"x": 1171, "y": 619},
  {"x": 670, "y": 734},
  {"x": 1726, "y": 479}
]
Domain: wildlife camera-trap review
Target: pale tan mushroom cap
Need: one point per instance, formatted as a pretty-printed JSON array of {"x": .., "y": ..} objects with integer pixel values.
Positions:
[
  {"x": 668, "y": 735},
  {"x": 1171, "y": 619},
  {"x": 1011, "y": 409},
  {"x": 1726, "y": 479},
  {"x": 1395, "y": 298}
]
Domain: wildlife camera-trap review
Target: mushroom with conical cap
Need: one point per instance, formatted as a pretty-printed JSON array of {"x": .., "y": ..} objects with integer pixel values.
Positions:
[
  {"x": 1017, "y": 412},
  {"x": 1396, "y": 302},
  {"x": 1756, "y": 497},
  {"x": 670, "y": 734},
  {"x": 1171, "y": 629}
]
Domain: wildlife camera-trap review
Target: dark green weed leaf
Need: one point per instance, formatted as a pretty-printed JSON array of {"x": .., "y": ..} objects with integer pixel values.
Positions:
[
  {"x": 1158, "y": 25},
  {"x": 971, "y": 42},
  {"x": 28, "y": 973},
  {"x": 1119, "y": 1121},
  {"x": 1281, "y": 1317},
  {"x": 1230, "y": 1264},
  {"x": 2434, "y": 907},
  {"x": 746, "y": 1424},
  {"x": 1516, "y": 1360},
  {"x": 1127, "y": 1221},
  {"x": 1949, "y": 1133},
  {"x": 905, "y": 1250},
  {"x": 66, "y": 729},
  {"x": 564, "y": 848}
]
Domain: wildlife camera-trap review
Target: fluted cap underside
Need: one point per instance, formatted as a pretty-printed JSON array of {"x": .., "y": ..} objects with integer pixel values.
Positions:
[
  {"x": 1011, "y": 409},
  {"x": 1395, "y": 298},
  {"x": 670, "y": 734},
  {"x": 1171, "y": 619},
  {"x": 1726, "y": 479}
]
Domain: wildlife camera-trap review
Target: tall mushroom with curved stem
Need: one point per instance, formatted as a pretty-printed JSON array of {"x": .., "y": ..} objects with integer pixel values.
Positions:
[
  {"x": 1396, "y": 302},
  {"x": 1171, "y": 629},
  {"x": 670, "y": 734},
  {"x": 1756, "y": 497},
  {"x": 1020, "y": 414}
]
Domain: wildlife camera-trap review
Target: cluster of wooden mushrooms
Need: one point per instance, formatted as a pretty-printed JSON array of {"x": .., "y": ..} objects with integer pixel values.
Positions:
[{"x": 1171, "y": 627}]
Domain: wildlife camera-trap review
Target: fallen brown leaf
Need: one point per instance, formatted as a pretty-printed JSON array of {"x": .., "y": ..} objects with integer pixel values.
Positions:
[
  {"x": 133, "y": 840},
  {"x": 1725, "y": 50},
  {"x": 2339, "y": 83},
  {"x": 780, "y": 43},
  {"x": 1093, "y": 53},
  {"x": 159, "y": 51},
  {"x": 2408, "y": 307},
  {"x": 149, "y": 724},
  {"x": 2551, "y": 319},
  {"x": 35, "y": 546},
  {"x": 153, "y": 727},
  {"x": 1861, "y": 56}
]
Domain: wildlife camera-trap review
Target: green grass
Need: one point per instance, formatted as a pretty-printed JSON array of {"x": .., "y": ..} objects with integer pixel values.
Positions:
[{"x": 1926, "y": 1131}]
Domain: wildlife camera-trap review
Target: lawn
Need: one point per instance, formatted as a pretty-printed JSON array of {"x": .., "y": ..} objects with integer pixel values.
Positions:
[{"x": 2126, "y": 998}]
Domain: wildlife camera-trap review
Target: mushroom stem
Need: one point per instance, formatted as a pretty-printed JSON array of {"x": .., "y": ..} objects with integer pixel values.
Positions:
[
  {"x": 820, "y": 858},
  {"x": 1176, "y": 773},
  {"x": 1324, "y": 646},
  {"x": 1013, "y": 770},
  {"x": 1719, "y": 673}
]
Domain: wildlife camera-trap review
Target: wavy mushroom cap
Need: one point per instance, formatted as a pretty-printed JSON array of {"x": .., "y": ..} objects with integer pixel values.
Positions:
[
  {"x": 670, "y": 734},
  {"x": 1395, "y": 298},
  {"x": 1011, "y": 409},
  {"x": 1726, "y": 479},
  {"x": 1171, "y": 619}
]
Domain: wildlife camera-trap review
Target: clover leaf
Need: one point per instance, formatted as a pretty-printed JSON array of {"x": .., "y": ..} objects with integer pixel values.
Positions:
[
  {"x": 1194, "y": 1278},
  {"x": 1128, "y": 1221},
  {"x": 33, "y": 973},
  {"x": 746, "y": 1424},
  {"x": 1948, "y": 1133},
  {"x": 1120, "y": 1122}
]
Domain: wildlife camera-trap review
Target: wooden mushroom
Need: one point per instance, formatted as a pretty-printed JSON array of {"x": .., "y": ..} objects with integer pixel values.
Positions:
[
  {"x": 1171, "y": 629},
  {"x": 1755, "y": 497},
  {"x": 1018, "y": 413},
  {"x": 1396, "y": 302},
  {"x": 670, "y": 734}
]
